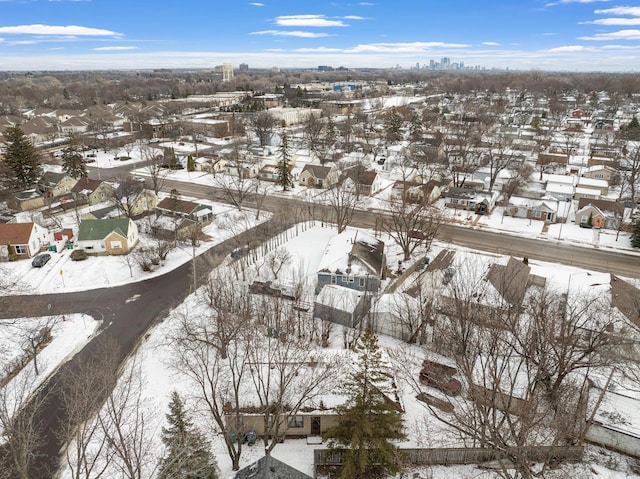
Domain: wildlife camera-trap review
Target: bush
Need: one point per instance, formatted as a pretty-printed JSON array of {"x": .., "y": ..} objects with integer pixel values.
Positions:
[{"x": 79, "y": 255}]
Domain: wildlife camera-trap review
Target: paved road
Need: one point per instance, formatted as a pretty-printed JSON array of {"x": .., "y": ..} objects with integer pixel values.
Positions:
[
  {"x": 124, "y": 323},
  {"x": 621, "y": 262}
]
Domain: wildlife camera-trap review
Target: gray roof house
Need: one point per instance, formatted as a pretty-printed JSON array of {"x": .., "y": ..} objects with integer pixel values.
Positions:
[
  {"x": 354, "y": 260},
  {"x": 268, "y": 467}
]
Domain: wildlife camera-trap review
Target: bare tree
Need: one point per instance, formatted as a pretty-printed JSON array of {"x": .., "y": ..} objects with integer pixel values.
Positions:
[
  {"x": 412, "y": 223},
  {"x": 500, "y": 157},
  {"x": 262, "y": 125},
  {"x": 277, "y": 260},
  {"x": 343, "y": 204},
  {"x": 631, "y": 170},
  {"x": 20, "y": 413},
  {"x": 212, "y": 351},
  {"x": 87, "y": 453},
  {"x": 126, "y": 429},
  {"x": 286, "y": 375},
  {"x": 154, "y": 165}
]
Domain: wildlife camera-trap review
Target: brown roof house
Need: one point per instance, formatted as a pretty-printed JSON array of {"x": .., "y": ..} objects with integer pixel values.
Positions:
[
  {"x": 599, "y": 213},
  {"x": 112, "y": 236},
  {"x": 92, "y": 191},
  {"x": 318, "y": 176},
  {"x": 22, "y": 240}
]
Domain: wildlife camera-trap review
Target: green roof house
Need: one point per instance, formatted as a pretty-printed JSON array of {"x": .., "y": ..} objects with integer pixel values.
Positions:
[{"x": 112, "y": 236}]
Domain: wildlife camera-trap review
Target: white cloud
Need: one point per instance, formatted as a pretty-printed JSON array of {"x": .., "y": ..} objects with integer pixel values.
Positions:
[
  {"x": 402, "y": 47},
  {"x": 619, "y": 35},
  {"x": 353, "y": 17},
  {"x": 114, "y": 48},
  {"x": 283, "y": 33},
  {"x": 40, "y": 29},
  {"x": 633, "y": 11},
  {"x": 366, "y": 4},
  {"x": 256, "y": 4},
  {"x": 564, "y": 2},
  {"x": 614, "y": 21},
  {"x": 569, "y": 49},
  {"x": 491, "y": 44},
  {"x": 308, "y": 21}
]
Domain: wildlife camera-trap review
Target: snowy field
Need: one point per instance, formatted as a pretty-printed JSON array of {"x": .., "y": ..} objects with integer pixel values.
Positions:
[{"x": 155, "y": 359}]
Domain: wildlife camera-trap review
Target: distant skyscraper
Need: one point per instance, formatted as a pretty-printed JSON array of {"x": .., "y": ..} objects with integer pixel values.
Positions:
[
  {"x": 445, "y": 63},
  {"x": 227, "y": 72},
  {"x": 243, "y": 67},
  {"x": 432, "y": 64}
]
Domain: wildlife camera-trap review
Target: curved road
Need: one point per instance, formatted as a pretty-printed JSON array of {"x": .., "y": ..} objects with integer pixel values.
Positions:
[{"x": 126, "y": 322}]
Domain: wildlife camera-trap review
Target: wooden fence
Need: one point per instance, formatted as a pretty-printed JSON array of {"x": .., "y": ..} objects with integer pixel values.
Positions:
[{"x": 449, "y": 456}]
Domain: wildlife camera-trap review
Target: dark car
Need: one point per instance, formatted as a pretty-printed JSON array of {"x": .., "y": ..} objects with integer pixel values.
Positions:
[{"x": 40, "y": 260}]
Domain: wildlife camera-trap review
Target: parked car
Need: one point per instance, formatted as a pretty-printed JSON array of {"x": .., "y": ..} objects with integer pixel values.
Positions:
[{"x": 40, "y": 260}]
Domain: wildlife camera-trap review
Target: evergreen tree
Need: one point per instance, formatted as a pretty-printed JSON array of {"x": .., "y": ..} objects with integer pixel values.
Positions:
[
  {"x": 21, "y": 157},
  {"x": 284, "y": 168},
  {"x": 368, "y": 420},
  {"x": 72, "y": 159},
  {"x": 188, "y": 454},
  {"x": 635, "y": 234},
  {"x": 191, "y": 164}
]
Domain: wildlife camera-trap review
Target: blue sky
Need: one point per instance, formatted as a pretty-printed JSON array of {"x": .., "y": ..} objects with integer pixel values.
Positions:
[{"x": 574, "y": 35}]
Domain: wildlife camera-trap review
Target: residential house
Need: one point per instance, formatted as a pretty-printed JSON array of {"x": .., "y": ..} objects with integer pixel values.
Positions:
[
  {"x": 391, "y": 315},
  {"x": 600, "y": 186},
  {"x": 113, "y": 236},
  {"x": 240, "y": 169},
  {"x": 74, "y": 126},
  {"x": 415, "y": 192},
  {"x": 92, "y": 191},
  {"x": 268, "y": 467},
  {"x": 544, "y": 209},
  {"x": 317, "y": 176},
  {"x": 600, "y": 172},
  {"x": 134, "y": 198},
  {"x": 26, "y": 200},
  {"x": 354, "y": 260},
  {"x": 54, "y": 185},
  {"x": 22, "y": 240},
  {"x": 184, "y": 209},
  {"x": 361, "y": 182},
  {"x": 560, "y": 187},
  {"x": 481, "y": 202},
  {"x": 595, "y": 213},
  {"x": 269, "y": 172}
]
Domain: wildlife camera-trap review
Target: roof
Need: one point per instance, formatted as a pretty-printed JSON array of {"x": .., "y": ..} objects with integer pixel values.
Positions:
[
  {"x": 177, "y": 205},
  {"x": 91, "y": 230},
  {"x": 353, "y": 252},
  {"x": 339, "y": 297},
  {"x": 510, "y": 280},
  {"x": 86, "y": 184},
  {"x": 603, "y": 205},
  {"x": 626, "y": 298},
  {"x": 269, "y": 467},
  {"x": 15, "y": 233},
  {"x": 317, "y": 171}
]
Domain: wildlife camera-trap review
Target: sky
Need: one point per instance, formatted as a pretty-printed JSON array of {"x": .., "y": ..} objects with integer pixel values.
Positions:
[{"x": 566, "y": 35}]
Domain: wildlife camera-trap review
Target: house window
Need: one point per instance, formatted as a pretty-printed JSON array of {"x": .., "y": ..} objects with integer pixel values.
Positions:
[
  {"x": 536, "y": 213},
  {"x": 333, "y": 279},
  {"x": 116, "y": 245},
  {"x": 295, "y": 421},
  {"x": 20, "y": 249},
  {"x": 351, "y": 279},
  {"x": 584, "y": 219},
  {"x": 343, "y": 279}
]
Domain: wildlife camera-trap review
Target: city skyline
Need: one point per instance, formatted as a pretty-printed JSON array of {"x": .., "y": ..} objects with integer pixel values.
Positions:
[{"x": 560, "y": 35}]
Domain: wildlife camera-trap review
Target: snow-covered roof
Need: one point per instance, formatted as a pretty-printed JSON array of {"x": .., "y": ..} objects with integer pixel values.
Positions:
[
  {"x": 339, "y": 297},
  {"x": 354, "y": 253}
]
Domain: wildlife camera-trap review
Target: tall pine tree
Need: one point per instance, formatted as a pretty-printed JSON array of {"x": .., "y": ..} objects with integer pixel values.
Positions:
[
  {"x": 188, "y": 454},
  {"x": 21, "y": 157},
  {"x": 285, "y": 178},
  {"x": 635, "y": 233},
  {"x": 368, "y": 421},
  {"x": 72, "y": 159}
]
